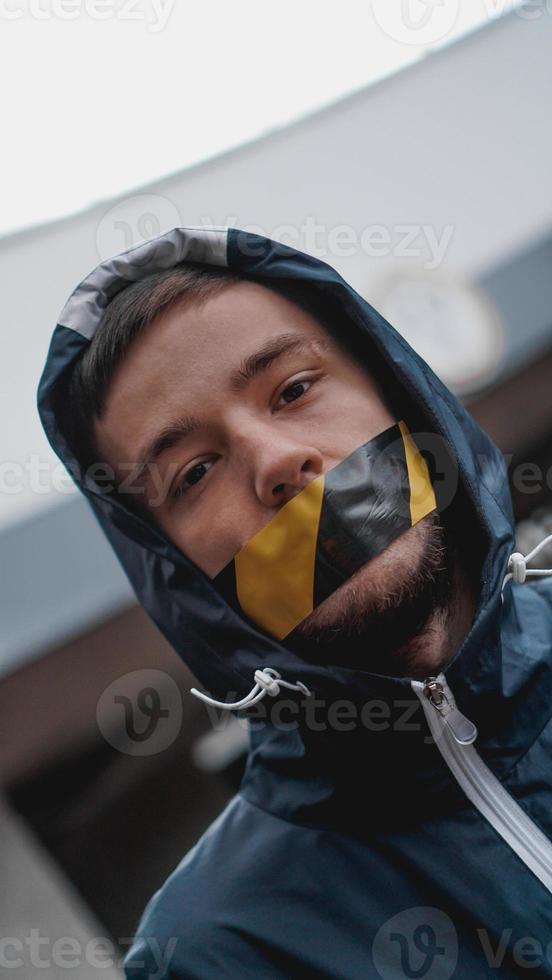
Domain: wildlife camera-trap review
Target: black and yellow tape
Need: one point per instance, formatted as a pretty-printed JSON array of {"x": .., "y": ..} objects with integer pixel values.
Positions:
[{"x": 320, "y": 537}]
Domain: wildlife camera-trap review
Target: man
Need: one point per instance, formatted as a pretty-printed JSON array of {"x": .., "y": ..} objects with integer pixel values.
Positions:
[{"x": 304, "y": 509}]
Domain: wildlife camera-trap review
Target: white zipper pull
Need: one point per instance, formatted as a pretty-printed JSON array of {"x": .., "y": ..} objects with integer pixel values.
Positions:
[{"x": 439, "y": 694}]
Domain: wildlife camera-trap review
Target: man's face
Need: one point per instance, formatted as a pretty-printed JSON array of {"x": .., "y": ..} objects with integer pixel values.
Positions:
[{"x": 238, "y": 403}]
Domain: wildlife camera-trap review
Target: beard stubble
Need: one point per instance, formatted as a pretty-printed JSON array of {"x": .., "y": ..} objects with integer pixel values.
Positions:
[{"x": 380, "y": 620}]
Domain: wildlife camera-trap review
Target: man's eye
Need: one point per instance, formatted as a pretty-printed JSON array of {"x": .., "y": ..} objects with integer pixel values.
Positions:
[
  {"x": 295, "y": 390},
  {"x": 192, "y": 476}
]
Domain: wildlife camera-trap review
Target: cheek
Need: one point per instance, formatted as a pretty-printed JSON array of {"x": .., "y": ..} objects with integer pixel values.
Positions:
[
  {"x": 209, "y": 538},
  {"x": 363, "y": 407},
  {"x": 353, "y": 396},
  {"x": 364, "y": 419}
]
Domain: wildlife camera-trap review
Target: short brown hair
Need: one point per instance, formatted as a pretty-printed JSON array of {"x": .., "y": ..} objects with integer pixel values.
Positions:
[
  {"x": 137, "y": 305},
  {"x": 130, "y": 312}
]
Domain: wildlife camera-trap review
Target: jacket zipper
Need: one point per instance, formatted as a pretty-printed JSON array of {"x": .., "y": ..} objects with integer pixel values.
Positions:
[{"x": 454, "y": 735}]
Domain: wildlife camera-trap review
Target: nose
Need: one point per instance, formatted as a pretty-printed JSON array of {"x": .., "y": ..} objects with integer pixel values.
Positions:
[{"x": 284, "y": 467}]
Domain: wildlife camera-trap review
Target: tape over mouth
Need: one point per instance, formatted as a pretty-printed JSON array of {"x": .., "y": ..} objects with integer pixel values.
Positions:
[{"x": 334, "y": 525}]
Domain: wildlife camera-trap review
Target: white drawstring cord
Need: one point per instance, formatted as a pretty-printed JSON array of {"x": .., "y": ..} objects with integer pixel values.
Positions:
[
  {"x": 267, "y": 681},
  {"x": 517, "y": 565}
]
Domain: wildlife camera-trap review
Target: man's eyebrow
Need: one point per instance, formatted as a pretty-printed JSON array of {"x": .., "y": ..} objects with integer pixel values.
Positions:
[
  {"x": 168, "y": 436},
  {"x": 260, "y": 360},
  {"x": 253, "y": 365}
]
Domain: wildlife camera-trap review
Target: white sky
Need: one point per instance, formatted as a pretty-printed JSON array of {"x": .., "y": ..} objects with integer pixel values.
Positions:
[{"x": 102, "y": 96}]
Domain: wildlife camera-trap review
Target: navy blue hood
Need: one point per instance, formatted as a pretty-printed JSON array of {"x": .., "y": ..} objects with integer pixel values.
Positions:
[{"x": 222, "y": 649}]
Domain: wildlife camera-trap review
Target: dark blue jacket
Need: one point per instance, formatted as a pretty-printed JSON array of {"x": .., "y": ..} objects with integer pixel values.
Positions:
[{"x": 382, "y": 849}]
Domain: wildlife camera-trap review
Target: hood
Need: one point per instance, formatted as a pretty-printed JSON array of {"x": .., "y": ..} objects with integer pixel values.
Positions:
[{"x": 221, "y": 648}]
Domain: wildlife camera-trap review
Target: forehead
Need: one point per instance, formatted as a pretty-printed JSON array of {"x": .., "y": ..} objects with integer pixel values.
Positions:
[
  {"x": 227, "y": 324},
  {"x": 235, "y": 319},
  {"x": 186, "y": 354}
]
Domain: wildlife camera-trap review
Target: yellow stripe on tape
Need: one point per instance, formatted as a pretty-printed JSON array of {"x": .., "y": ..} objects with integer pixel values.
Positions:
[
  {"x": 275, "y": 569},
  {"x": 422, "y": 494}
]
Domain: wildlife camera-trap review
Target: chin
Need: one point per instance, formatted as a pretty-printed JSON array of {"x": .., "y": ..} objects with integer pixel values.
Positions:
[
  {"x": 378, "y": 585},
  {"x": 375, "y": 616}
]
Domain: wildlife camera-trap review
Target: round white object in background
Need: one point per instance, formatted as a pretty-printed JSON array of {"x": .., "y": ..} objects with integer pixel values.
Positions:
[{"x": 451, "y": 324}]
